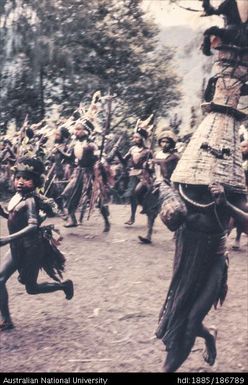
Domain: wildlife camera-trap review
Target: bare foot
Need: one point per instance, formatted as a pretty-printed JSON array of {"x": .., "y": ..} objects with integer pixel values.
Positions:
[
  {"x": 144, "y": 240},
  {"x": 210, "y": 352},
  {"x": 71, "y": 224},
  {"x": 106, "y": 228},
  {"x": 68, "y": 289},
  {"x": 130, "y": 222},
  {"x": 6, "y": 325}
]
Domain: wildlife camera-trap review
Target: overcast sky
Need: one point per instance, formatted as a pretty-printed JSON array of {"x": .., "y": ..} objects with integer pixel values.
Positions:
[{"x": 167, "y": 14}]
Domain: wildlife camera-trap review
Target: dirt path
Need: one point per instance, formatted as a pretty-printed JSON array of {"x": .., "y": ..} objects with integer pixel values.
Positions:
[{"x": 109, "y": 325}]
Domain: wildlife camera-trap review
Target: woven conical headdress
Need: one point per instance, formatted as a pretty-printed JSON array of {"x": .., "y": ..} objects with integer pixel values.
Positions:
[{"x": 213, "y": 154}]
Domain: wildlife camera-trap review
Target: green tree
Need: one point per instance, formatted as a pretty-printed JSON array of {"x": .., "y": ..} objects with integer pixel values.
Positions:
[{"x": 62, "y": 51}]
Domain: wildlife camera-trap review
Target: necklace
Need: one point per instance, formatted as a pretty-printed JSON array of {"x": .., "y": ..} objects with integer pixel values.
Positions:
[{"x": 192, "y": 202}]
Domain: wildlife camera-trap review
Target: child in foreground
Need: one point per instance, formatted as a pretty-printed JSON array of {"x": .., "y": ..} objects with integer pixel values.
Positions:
[{"x": 32, "y": 246}]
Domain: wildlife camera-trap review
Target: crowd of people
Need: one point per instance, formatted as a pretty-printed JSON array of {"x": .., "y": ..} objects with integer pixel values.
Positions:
[
  {"x": 75, "y": 168},
  {"x": 68, "y": 172},
  {"x": 84, "y": 168}
]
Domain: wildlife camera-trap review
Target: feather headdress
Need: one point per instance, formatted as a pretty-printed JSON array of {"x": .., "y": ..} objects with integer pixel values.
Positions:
[
  {"x": 89, "y": 118},
  {"x": 144, "y": 127}
]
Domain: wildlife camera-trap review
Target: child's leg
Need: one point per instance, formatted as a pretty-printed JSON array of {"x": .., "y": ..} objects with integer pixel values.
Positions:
[{"x": 6, "y": 270}]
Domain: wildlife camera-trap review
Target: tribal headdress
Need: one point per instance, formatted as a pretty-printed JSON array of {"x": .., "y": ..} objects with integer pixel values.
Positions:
[
  {"x": 32, "y": 166},
  {"x": 166, "y": 133},
  {"x": 144, "y": 127},
  {"x": 213, "y": 153},
  {"x": 89, "y": 118}
]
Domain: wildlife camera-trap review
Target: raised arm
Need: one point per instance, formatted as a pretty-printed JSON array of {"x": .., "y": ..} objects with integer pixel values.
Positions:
[
  {"x": 240, "y": 214},
  {"x": 123, "y": 159}
]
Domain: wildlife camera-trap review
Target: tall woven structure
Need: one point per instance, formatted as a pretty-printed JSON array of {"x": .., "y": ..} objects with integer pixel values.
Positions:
[{"x": 213, "y": 154}]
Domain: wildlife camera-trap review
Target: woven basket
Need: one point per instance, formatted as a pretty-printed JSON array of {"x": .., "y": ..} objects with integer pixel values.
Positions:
[
  {"x": 173, "y": 210},
  {"x": 231, "y": 70},
  {"x": 199, "y": 164},
  {"x": 232, "y": 54}
]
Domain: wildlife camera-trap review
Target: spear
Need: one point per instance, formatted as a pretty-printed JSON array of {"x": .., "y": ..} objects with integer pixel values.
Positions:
[
  {"x": 185, "y": 8},
  {"x": 50, "y": 179},
  {"x": 22, "y": 132},
  {"x": 146, "y": 172},
  {"x": 94, "y": 192},
  {"x": 109, "y": 99}
]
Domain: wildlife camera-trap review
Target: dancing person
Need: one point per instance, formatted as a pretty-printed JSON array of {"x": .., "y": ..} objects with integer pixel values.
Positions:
[
  {"x": 32, "y": 246},
  {"x": 89, "y": 177},
  {"x": 164, "y": 163},
  {"x": 200, "y": 268},
  {"x": 136, "y": 159}
]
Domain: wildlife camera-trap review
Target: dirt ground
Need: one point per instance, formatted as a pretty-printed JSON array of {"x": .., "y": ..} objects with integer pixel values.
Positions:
[{"x": 109, "y": 325}]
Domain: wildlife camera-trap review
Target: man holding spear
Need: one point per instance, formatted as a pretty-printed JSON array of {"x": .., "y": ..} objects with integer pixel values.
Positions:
[{"x": 85, "y": 180}]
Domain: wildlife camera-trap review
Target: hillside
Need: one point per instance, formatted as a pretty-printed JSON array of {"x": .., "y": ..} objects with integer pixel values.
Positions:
[{"x": 191, "y": 65}]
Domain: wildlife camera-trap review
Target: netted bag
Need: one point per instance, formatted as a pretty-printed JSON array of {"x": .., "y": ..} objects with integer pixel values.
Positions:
[{"x": 173, "y": 210}]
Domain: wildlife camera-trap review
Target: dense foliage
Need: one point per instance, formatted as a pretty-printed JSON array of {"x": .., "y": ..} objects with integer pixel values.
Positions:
[{"x": 60, "y": 52}]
